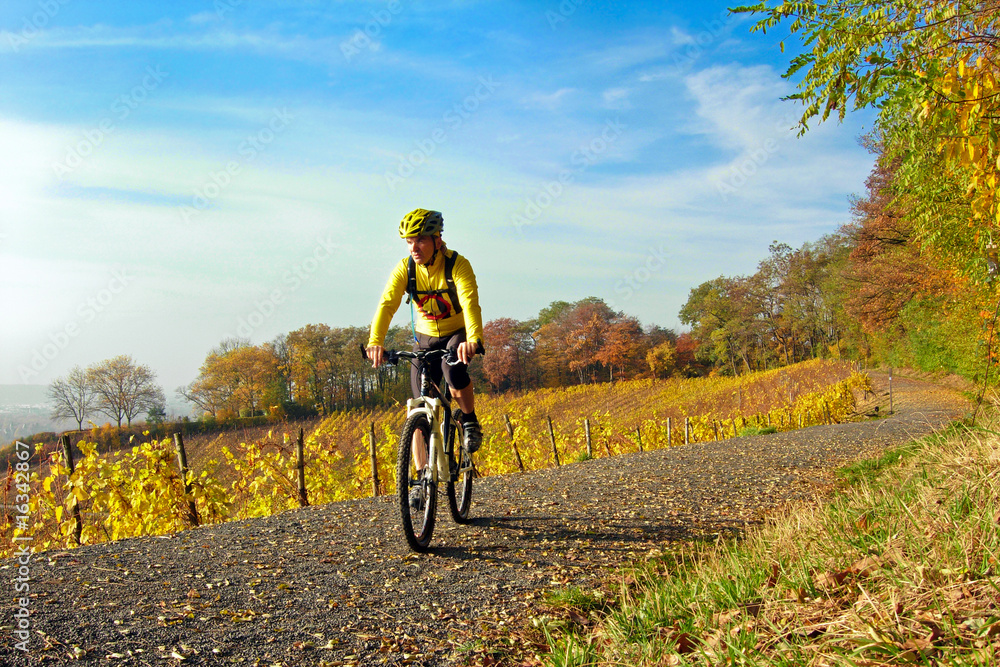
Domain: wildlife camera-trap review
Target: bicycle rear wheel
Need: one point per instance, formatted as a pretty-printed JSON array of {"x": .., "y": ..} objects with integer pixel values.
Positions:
[
  {"x": 460, "y": 489},
  {"x": 418, "y": 523}
]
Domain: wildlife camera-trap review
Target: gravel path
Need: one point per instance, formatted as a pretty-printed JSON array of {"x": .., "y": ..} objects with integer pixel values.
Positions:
[{"x": 336, "y": 585}]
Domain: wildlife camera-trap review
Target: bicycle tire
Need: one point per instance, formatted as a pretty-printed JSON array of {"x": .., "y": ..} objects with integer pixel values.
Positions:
[
  {"x": 460, "y": 489},
  {"x": 418, "y": 526}
]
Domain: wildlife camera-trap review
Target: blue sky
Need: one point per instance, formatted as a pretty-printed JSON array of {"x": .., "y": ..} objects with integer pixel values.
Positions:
[{"x": 176, "y": 173}]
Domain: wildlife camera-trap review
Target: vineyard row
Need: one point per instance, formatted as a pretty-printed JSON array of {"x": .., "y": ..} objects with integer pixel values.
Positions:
[{"x": 143, "y": 491}]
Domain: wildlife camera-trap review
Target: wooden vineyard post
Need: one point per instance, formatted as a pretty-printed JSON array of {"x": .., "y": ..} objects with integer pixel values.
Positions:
[
  {"x": 716, "y": 425},
  {"x": 376, "y": 486},
  {"x": 300, "y": 467},
  {"x": 182, "y": 463},
  {"x": 77, "y": 520},
  {"x": 687, "y": 430},
  {"x": 552, "y": 437},
  {"x": 590, "y": 445},
  {"x": 670, "y": 431},
  {"x": 890, "y": 391},
  {"x": 826, "y": 411},
  {"x": 638, "y": 435},
  {"x": 800, "y": 420},
  {"x": 735, "y": 432},
  {"x": 510, "y": 432}
]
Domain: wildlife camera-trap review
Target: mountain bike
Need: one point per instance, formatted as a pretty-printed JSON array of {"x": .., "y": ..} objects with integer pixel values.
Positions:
[{"x": 448, "y": 460}]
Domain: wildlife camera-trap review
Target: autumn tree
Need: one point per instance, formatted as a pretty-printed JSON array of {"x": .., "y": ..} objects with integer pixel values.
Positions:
[
  {"x": 282, "y": 389},
  {"x": 662, "y": 360},
  {"x": 886, "y": 268},
  {"x": 207, "y": 391},
  {"x": 715, "y": 319},
  {"x": 578, "y": 342},
  {"x": 124, "y": 389},
  {"x": 583, "y": 341},
  {"x": 687, "y": 362},
  {"x": 506, "y": 365},
  {"x": 789, "y": 310},
  {"x": 72, "y": 397},
  {"x": 913, "y": 302},
  {"x": 314, "y": 351},
  {"x": 234, "y": 378},
  {"x": 800, "y": 300},
  {"x": 623, "y": 339},
  {"x": 574, "y": 337},
  {"x": 251, "y": 372},
  {"x": 771, "y": 277},
  {"x": 549, "y": 334}
]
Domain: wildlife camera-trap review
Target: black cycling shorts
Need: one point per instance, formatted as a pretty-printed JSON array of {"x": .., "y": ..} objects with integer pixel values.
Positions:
[{"x": 457, "y": 376}]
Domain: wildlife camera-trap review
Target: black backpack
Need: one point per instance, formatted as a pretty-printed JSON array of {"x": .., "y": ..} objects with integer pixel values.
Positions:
[{"x": 413, "y": 294}]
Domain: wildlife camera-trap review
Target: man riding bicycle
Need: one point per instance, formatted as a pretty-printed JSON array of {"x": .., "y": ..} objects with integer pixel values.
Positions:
[{"x": 442, "y": 286}]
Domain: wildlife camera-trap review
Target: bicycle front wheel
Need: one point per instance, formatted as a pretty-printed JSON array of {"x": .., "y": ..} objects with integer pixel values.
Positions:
[
  {"x": 417, "y": 491},
  {"x": 460, "y": 484}
]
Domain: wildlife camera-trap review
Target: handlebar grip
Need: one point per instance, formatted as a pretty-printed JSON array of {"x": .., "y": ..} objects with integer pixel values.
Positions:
[{"x": 364, "y": 352}]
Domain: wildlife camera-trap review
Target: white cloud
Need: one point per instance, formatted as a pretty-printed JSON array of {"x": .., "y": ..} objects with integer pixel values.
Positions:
[
  {"x": 766, "y": 166},
  {"x": 680, "y": 37},
  {"x": 547, "y": 101},
  {"x": 617, "y": 98},
  {"x": 659, "y": 74},
  {"x": 157, "y": 36},
  {"x": 202, "y": 18},
  {"x": 630, "y": 51},
  {"x": 738, "y": 107}
]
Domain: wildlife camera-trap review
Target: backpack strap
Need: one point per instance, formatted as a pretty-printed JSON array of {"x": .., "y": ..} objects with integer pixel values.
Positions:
[
  {"x": 411, "y": 280},
  {"x": 449, "y": 264},
  {"x": 412, "y": 294}
]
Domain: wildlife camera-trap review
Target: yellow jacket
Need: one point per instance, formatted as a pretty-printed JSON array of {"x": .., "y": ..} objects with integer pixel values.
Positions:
[{"x": 435, "y": 315}]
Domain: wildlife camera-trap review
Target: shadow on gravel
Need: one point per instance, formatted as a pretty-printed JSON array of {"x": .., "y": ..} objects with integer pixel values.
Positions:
[{"x": 561, "y": 539}]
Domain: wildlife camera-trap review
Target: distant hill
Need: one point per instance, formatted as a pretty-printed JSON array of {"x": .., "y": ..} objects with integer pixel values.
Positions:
[{"x": 25, "y": 410}]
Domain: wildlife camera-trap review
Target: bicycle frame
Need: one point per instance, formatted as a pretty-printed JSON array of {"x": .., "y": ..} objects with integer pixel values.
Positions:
[{"x": 437, "y": 412}]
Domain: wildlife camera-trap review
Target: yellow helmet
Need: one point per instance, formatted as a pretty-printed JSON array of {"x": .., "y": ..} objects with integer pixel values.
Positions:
[{"x": 421, "y": 222}]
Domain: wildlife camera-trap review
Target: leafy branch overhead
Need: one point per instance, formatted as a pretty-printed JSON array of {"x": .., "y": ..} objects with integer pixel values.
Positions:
[{"x": 930, "y": 69}]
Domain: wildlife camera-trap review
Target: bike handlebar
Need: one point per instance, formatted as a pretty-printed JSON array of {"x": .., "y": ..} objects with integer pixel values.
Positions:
[{"x": 393, "y": 356}]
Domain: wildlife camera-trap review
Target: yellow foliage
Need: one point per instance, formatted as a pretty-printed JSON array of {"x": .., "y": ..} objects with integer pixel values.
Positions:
[{"x": 140, "y": 492}]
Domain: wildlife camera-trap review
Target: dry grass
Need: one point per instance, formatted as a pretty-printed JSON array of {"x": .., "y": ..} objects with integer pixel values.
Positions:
[{"x": 899, "y": 568}]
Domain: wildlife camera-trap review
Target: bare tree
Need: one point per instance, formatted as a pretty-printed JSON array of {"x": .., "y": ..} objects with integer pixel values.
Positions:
[
  {"x": 72, "y": 397},
  {"x": 124, "y": 389}
]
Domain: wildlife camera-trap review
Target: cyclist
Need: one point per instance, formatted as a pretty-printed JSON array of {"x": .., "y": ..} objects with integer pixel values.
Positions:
[{"x": 442, "y": 286}]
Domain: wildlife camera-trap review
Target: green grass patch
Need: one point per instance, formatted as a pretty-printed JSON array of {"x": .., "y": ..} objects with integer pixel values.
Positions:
[
  {"x": 869, "y": 469},
  {"x": 757, "y": 430},
  {"x": 576, "y": 598}
]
